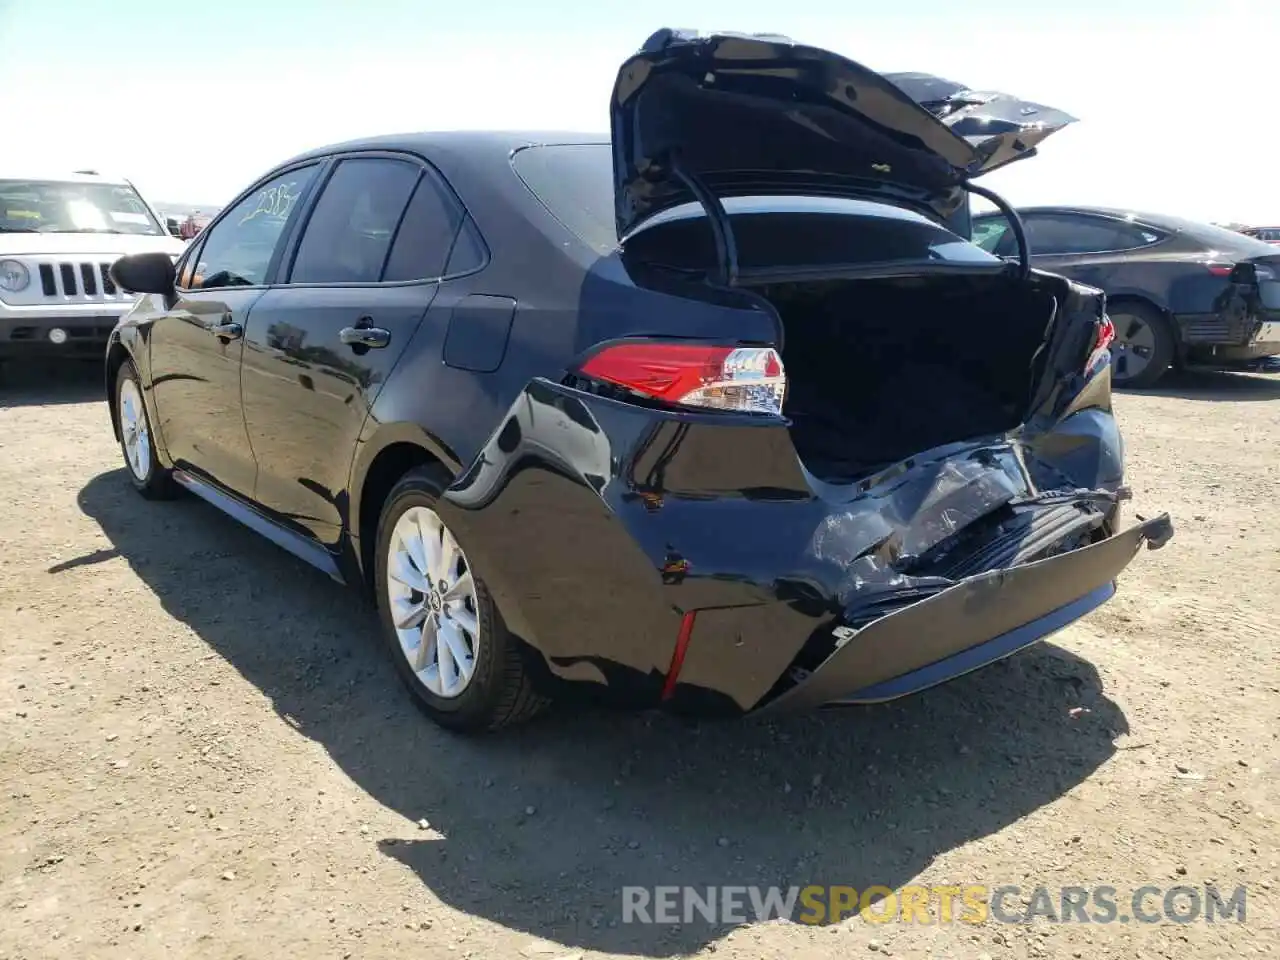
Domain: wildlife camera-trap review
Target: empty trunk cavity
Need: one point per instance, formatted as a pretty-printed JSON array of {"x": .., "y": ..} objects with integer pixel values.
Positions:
[{"x": 880, "y": 369}]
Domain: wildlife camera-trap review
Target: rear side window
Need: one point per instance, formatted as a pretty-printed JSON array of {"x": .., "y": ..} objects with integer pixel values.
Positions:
[
  {"x": 575, "y": 183},
  {"x": 469, "y": 250},
  {"x": 350, "y": 232},
  {"x": 1067, "y": 234},
  {"x": 426, "y": 233}
]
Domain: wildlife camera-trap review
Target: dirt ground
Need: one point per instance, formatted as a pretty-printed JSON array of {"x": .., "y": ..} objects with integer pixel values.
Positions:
[{"x": 202, "y": 753}]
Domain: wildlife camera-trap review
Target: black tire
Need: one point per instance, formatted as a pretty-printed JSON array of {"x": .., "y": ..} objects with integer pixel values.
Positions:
[
  {"x": 1129, "y": 316},
  {"x": 155, "y": 482},
  {"x": 500, "y": 692}
]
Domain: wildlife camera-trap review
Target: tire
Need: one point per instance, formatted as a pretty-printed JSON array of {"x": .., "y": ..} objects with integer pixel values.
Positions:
[
  {"x": 1140, "y": 327},
  {"x": 497, "y": 690},
  {"x": 145, "y": 471}
]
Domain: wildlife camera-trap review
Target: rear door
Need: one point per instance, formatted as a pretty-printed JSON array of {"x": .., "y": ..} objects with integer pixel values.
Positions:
[
  {"x": 322, "y": 342},
  {"x": 196, "y": 346}
]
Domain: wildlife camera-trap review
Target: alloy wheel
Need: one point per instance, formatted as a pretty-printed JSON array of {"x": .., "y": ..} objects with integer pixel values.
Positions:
[
  {"x": 433, "y": 604},
  {"x": 133, "y": 429},
  {"x": 1133, "y": 348}
]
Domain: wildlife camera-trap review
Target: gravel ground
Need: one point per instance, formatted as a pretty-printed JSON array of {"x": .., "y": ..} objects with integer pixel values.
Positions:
[{"x": 203, "y": 754}]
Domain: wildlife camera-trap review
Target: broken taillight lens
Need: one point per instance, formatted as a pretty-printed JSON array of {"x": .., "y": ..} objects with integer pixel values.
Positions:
[
  {"x": 1102, "y": 341},
  {"x": 741, "y": 379}
]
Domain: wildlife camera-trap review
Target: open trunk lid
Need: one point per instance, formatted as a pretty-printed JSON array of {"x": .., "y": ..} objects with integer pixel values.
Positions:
[{"x": 737, "y": 115}]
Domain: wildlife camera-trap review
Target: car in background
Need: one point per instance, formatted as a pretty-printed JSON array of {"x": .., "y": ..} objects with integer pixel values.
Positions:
[
  {"x": 1265, "y": 234},
  {"x": 1180, "y": 293},
  {"x": 714, "y": 415},
  {"x": 59, "y": 235}
]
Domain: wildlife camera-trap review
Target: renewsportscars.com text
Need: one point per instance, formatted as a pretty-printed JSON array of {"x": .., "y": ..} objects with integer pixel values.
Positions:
[{"x": 969, "y": 903}]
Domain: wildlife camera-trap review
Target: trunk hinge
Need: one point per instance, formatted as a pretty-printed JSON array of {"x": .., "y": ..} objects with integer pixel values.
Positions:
[
  {"x": 721, "y": 229},
  {"x": 1015, "y": 224}
]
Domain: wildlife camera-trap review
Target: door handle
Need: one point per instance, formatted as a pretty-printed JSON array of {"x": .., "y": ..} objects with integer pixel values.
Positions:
[
  {"x": 364, "y": 336},
  {"x": 228, "y": 330}
]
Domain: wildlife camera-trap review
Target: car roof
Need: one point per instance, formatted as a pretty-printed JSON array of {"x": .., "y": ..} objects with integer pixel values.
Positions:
[
  {"x": 60, "y": 176},
  {"x": 480, "y": 144},
  {"x": 1120, "y": 213}
]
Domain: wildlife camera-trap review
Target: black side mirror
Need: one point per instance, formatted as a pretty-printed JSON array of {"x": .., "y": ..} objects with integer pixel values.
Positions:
[
  {"x": 171, "y": 224},
  {"x": 145, "y": 273}
]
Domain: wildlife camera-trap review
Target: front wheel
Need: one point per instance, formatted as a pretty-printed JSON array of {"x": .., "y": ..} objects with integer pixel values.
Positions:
[
  {"x": 443, "y": 632},
  {"x": 1143, "y": 349},
  {"x": 149, "y": 477}
]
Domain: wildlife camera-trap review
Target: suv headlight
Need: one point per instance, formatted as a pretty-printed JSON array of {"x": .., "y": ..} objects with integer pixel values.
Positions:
[{"x": 13, "y": 276}]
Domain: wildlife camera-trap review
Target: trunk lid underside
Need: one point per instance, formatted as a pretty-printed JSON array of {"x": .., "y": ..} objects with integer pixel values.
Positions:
[{"x": 756, "y": 115}]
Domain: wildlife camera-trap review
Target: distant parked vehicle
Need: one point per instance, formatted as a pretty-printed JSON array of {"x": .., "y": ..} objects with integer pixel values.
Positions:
[
  {"x": 59, "y": 235},
  {"x": 1265, "y": 234},
  {"x": 1180, "y": 293}
]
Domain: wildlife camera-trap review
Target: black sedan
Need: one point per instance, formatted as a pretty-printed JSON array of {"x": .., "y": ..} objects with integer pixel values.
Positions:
[
  {"x": 1180, "y": 293},
  {"x": 712, "y": 415}
]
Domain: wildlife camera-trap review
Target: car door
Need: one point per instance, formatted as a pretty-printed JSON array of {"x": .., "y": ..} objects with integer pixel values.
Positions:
[
  {"x": 321, "y": 344},
  {"x": 195, "y": 347}
]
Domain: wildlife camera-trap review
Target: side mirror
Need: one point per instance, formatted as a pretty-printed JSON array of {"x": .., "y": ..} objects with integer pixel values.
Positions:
[
  {"x": 171, "y": 224},
  {"x": 145, "y": 273}
]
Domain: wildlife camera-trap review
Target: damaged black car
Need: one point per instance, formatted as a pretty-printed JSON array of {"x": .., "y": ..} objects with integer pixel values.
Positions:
[{"x": 721, "y": 413}]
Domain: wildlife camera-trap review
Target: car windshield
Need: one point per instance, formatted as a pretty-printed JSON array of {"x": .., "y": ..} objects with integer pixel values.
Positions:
[{"x": 65, "y": 206}]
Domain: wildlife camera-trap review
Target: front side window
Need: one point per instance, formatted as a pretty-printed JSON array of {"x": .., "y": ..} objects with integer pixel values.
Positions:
[
  {"x": 238, "y": 249},
  {"x": 64, "y": 206},
  {"x": 349, "y": 234}
]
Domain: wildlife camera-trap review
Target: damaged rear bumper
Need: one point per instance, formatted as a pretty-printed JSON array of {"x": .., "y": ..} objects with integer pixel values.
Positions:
[
  {"x": 977, "y": 621},
  {"x": 655, "y": 558}
]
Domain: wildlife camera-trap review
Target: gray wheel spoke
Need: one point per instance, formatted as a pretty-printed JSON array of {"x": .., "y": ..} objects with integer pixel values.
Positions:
[
  {"x": 462, "y": 588},
  {"x": 416, "y": 549},
  {"x": 425, "y": 652},
  {"x": 444, "y": 660},
  {"x": 464, "y": 618},
  {"x": 452, "y": 640},
  {"x": 447, "y": 562},
  {"x": 408, "y": 614},
  {"x": 402, "y": 571}
]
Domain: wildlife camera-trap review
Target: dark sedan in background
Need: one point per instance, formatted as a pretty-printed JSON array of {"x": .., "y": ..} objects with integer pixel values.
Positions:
[{"x": 1180, "y": 293}]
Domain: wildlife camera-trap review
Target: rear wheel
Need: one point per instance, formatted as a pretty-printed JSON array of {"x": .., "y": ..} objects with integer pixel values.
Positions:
[
  {"x": 442, "y": 629},
  {"x": 147, "y": 474},
  {"x": 1143, "y": 349}
]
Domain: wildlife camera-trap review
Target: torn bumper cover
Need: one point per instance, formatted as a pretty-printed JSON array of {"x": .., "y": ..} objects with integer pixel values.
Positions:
[
  {"x": 603, "y": 527},
  {"x": 979, "y": 620}
]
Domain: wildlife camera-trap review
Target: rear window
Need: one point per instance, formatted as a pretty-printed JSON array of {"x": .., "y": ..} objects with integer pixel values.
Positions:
[
  {"x": 575, "y": 183},
  {"x": 783, "y": 232}
]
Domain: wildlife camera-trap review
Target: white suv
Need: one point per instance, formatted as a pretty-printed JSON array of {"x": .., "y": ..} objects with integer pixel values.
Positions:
[{"x": 59, "y": 236}]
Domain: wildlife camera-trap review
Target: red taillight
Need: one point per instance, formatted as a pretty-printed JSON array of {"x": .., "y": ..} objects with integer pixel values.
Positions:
[
  {"x": 1220, "y": 269},
  {"x": 745, "y": 379},
  {"x": 1102, "y": 341}
]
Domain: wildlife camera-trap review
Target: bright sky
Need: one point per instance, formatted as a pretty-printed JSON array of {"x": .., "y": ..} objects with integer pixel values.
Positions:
[{"x": 1177, "y": 99}]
